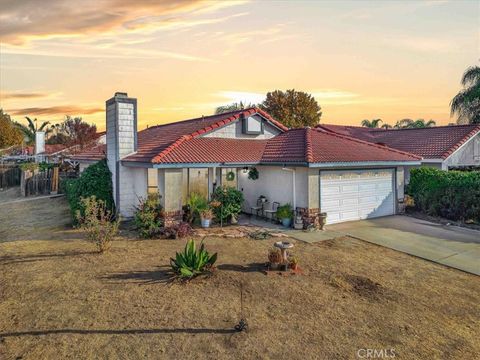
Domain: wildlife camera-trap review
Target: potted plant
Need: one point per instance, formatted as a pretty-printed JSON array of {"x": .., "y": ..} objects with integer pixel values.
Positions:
[
  {"x": 274, "y": 259},
  {"x": 206, "y": 216},
  {"x": 293, "y": 263},
  {"x": 285, "y": 213}
]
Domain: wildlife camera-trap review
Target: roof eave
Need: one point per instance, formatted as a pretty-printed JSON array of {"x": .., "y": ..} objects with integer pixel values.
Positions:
[{"x": 364, "y": 163}]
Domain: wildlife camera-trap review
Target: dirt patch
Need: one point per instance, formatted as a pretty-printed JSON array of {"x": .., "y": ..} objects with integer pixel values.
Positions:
[
  {"x": 360, "y": 285},
  {"x": 60, "y": 300}
]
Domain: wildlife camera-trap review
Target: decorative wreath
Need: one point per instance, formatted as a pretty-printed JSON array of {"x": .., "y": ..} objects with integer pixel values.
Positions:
[
  {"x": 230, "y": 176},
  {"x": 253, "y": 174}
]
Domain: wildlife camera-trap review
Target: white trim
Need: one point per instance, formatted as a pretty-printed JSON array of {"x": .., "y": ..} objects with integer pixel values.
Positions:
[
  {"x": 461, "y": 146},
  {"x": 364, "y": 163}
]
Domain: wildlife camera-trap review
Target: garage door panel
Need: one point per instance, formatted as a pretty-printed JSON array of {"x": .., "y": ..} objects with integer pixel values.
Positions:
[{"x": 355, "y": 195}]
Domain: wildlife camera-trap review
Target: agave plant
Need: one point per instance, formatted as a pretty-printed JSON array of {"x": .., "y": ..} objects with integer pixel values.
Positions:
[{"x": 192, "y": 262}]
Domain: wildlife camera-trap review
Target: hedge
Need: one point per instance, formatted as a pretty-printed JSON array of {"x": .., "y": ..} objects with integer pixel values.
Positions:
[
  {"x": 95, "y": 180},
  {"x": 454, "y": 195}
]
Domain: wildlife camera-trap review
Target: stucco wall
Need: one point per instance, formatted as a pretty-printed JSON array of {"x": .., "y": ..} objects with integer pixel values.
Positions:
[
  {"x": 234, "y": 130},
  {"x": 468, "y": 154},
  {"x": 133, "y": 185},
  {"x": 274, "y": 183},
  {"x": 170, "y": 188}
]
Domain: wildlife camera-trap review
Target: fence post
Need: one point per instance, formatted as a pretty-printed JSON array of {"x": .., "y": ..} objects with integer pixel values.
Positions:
[
  {"x": 25, "y": 175},
  {"x": 55, "y": 181}
]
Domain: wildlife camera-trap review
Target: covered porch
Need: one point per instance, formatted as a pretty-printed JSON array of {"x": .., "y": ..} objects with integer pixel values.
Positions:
[{"x": 277, "y": 184}]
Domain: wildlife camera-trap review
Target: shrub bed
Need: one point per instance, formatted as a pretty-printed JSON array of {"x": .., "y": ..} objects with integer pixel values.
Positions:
[
  {"x": 453, "y": 195},
  {"x": 96, "y": 181}
]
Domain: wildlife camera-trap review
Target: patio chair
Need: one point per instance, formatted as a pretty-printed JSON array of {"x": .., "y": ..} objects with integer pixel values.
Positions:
[
  {"x": 258, "y": 207},
  {"x": 272, "y": 211}
]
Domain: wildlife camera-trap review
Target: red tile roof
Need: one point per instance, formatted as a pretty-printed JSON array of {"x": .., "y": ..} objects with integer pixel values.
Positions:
[
  {"x": 94, "y": 153},
  {"x": 320, "y": 146},
  {"x": 49, "y": 149},
  {"x": 181, "y": 142},
  {"x": 156, "y": 142},
  {"x": 216, "y": 150},
  {"x": 436, "y": 142}
]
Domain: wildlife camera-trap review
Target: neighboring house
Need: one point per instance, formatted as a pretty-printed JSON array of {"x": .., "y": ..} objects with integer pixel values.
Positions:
[
  {"x": 314, "y": 169},
  {"x": 443, "y": 147}
]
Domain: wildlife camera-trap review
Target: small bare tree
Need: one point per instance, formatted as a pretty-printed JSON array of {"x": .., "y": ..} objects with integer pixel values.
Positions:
[{"x": 98, "y": 222}]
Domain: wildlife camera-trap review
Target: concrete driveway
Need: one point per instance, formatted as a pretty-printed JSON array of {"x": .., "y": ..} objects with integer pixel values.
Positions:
[{"x": 448, "y": 245}]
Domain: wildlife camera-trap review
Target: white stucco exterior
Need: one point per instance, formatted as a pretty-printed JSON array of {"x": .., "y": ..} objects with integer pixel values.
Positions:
[{"x": 276, "y": 184}]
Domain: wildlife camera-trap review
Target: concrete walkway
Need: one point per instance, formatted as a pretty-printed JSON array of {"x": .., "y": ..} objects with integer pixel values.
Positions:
[{"x": 448, "y": 245}]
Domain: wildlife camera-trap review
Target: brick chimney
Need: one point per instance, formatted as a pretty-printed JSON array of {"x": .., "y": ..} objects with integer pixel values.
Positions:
[{"x": 121, "y": 137}]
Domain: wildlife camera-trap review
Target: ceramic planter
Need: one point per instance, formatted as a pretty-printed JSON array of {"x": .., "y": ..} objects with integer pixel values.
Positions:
[
  {"x": 287, "y": 222},
  {"x": 322, "y": 220},
  {"x": 206, "y": 223}
]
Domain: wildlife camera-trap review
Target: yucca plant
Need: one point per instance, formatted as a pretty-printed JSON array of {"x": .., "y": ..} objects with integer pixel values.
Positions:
[{"x": 192, "y": 262}]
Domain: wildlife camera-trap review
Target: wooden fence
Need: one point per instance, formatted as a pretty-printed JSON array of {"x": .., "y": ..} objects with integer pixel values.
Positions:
[
  {"x": 9, "y": 176},
  {"x": 43, "y": 182}
]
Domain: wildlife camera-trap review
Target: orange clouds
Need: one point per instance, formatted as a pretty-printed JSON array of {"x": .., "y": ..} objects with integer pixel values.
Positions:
[
  {"x": 13, "y": 95},
  {"x": 56, "y": 110},
  {"x": 24, "y": 20}
]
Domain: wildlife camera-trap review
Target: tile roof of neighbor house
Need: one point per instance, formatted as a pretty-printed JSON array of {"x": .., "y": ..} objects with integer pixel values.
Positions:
[
  {"x": 436, "y": 142},
  {"x": 94, "y": 153}
]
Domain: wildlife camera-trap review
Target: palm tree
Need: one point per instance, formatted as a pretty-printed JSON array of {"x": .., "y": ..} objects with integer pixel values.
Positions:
[
  {"x": 371, "y": 124},
  {"x": 32, "y": 128},
  {"x": 414, "y": 124},
  {"x": 386, "y": 126},
  {"x": 466, "y": 104},
  {"x": 232, "y": 107}
]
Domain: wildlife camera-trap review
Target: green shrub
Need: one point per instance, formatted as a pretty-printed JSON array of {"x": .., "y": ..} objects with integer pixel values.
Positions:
[
  {"x": 149, "y": 216},
  {"x": 29, "y": 166},
  {"x": 285, "y": 212},
  {"x": 98, "y": 222},
  {"x": 192, "y": 262},
  {"x": 453, "y": 195},
  {"x": 96, "y": 181},
  {"x": 228, "y": 202},
  {"x": 195, "y": 204}
]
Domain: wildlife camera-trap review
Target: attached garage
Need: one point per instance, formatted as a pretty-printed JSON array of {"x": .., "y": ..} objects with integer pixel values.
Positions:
[{"x": 347, "y": 195}]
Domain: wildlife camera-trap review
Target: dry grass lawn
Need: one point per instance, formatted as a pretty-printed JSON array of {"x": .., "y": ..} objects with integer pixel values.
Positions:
[{"x": 60, "y": 300}]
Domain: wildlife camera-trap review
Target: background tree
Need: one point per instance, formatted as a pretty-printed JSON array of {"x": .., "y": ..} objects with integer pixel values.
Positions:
[
  {"x": 233, "y": 107},
  {"x": 293, "y": 108},
  {"x": 77, "y": 131},
  {"x": 386, "y": 126},
  {"x": 414, "y": 124},
  {"x": 375, "y": 123},
  {"x": 10, "y": 134},
  {"x": 31, "y": 129},
  {"x": 466, "y": 104}
]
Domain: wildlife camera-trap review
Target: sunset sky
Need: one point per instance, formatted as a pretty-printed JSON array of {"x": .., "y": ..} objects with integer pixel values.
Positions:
[{"x": 181, "y": 59}]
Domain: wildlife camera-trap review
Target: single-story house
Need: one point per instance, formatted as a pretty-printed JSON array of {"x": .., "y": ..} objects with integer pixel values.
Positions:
[
  {"x": 443, "y": 147},
  {"x": 313, "y": 169}
]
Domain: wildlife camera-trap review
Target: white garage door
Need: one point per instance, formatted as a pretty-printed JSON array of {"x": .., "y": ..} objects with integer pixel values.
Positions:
[{"x": 356, "y": 194}]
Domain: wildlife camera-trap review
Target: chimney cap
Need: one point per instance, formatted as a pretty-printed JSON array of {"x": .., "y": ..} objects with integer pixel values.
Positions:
[{"x": 121, "y": 94}]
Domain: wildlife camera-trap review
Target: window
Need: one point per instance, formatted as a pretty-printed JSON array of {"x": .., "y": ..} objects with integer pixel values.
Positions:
[
  {"x": 152, "y": 180},
  {"x": 253, "y": 125},
  {"x": 231, "y": 183}
]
